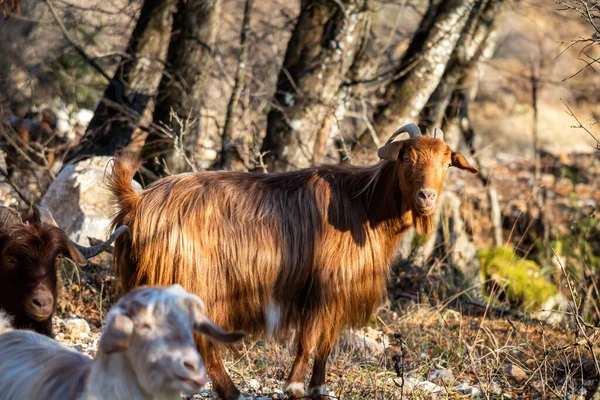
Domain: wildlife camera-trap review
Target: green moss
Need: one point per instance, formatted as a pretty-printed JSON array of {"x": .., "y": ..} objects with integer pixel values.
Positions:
[{"x": 518, "y": 280}]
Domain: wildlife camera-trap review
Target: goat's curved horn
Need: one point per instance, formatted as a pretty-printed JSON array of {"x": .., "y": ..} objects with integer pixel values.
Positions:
[
  {"x": 438, "y": 134},
  {"x": 412, "y": 130},
  {"x": 89, "y": 252}
]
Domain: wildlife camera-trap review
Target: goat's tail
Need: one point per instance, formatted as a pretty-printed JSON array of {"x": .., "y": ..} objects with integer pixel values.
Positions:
[
  {"x": 5, "y": 323},
  {"x": 119, "y": 182}
]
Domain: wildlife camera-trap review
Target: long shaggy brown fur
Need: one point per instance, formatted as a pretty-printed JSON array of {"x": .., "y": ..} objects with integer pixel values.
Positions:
[
  {"x": 308, "y": 249},
  {"x": 316, "y": 242}
]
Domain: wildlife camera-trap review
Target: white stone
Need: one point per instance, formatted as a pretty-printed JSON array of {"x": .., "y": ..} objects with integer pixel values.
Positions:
[
  {"x": 254, "y": 384},
  {"x": 79, "y": 200},
  {"x": 76, "y": 327},
  {"x": 465, "y": 388},
  {"x": 420, "y": 387},
  {"x": 83, "y": 117}
]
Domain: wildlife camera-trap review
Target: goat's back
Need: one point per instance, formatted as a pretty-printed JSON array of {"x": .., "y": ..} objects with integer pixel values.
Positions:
[{"x": 33, "y": 366}]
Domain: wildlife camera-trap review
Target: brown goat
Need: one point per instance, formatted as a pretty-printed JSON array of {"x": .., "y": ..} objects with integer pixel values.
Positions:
[
  {"x": 30, "y": 256},
  {"x": 308, "y": 251}
]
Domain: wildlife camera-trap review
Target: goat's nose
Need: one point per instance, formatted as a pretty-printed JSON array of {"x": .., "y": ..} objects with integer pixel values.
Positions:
[
  {"x": 427, "y": 196},
  {"x": 42, "y": 302},
  {"x": 192, "y": 364}
]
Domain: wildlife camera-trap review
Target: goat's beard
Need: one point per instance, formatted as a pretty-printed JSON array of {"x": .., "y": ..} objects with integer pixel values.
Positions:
[{"x": 423, "y": 223}]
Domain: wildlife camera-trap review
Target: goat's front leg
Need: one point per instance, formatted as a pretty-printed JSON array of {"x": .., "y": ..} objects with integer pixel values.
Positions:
[
  {"x": 221, "y": 382},
  {"x": 295, "y": 383}
]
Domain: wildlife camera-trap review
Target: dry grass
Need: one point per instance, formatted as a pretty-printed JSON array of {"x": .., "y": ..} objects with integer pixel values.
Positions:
[{"x": 475, "y": 345}]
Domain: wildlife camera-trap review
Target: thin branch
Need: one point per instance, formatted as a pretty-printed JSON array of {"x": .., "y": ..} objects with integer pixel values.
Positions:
[{"x": 580, "y": 125}]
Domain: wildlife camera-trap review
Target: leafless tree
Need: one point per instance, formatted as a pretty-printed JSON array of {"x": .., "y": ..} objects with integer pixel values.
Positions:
[
  {"x": 125, "y": 107},
  {"x": 323, "y": 46},
  {"x": 182, "y": 86},
  {"x": 423, "y": 65}
]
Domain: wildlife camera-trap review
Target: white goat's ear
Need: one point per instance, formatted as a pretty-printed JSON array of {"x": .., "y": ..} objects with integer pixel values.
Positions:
[
  {"x": 116, "y": 335},
  {"x": 207, "y": 327},
  {"x": 390, "y": 151}
]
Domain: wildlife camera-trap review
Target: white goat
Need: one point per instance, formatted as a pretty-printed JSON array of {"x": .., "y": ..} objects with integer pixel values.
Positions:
[{"x": 146, "y": 351}]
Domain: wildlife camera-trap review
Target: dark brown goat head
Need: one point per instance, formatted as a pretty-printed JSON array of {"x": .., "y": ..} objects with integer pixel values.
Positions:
[
  {"x": 422, "y": 164},
  {"x": 30, "y": 257}
]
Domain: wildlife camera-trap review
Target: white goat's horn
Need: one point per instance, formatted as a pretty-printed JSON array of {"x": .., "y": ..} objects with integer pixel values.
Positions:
[{"x": 438, "y": 134}]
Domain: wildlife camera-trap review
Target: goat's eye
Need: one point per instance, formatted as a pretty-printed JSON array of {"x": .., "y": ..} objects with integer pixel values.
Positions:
[
  {"x": 406, "y": 159},
  {"x": 10, "y": 261},
  {"x": 59, "y": 257}
]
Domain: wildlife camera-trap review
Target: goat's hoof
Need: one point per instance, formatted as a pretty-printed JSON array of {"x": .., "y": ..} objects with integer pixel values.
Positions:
[
  {"x": 318, "y": 392},
  {"x": 295, "y": 390}
]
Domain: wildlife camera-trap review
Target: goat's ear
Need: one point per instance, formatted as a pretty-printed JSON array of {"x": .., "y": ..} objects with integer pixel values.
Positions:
[
  {"x": 44, "y": 216},
  {"x": 116, "y": 335},
  {"x": 9, "y": 217},
  {"x": 459, "y": 161},
  {"x": 207, "y": 327},
  {"x": 75, "y": 255},
  {"x": 390, "y": 151}
]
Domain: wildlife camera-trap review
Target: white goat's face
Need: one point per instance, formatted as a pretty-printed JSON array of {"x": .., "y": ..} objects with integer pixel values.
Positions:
[{"x": 154, "y": 327}]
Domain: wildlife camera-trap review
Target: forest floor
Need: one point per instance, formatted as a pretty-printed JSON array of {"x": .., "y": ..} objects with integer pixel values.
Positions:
[{"x": 440, "y": 352}]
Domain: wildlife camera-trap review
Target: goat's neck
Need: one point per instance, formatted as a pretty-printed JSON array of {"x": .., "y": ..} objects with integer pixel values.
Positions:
[
  {"x": 385, "y": 204},
  {"x": 113, "y": 377}
]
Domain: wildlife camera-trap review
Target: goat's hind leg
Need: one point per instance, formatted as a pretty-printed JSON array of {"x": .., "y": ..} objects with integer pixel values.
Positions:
[
  {"x": 295, "y": 383},
  {"x": 317, "y": 388}
]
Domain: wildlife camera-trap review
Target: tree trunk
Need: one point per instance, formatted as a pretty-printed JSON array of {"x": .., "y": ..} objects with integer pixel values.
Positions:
[
  {"x": 323, "y": 46},
  {"x": 448, "y": 107},
  {"x": 181, "y": 89},
  {"x": 478, "y": 39},
  {"x": 227, "y": 146},
  {"x": 120, "y": 112},
  {"x": 422, "y": 66}
]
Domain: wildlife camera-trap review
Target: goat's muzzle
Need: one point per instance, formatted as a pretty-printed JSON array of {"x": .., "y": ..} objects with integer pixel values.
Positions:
[
  {"x": 425, "y": 200},
  {"x": 40, "y": 304},
  {"x": 192, "y": 372}
]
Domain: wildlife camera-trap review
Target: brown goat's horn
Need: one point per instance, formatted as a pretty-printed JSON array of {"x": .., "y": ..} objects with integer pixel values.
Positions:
[
  {"x": 438, "y": 134},
  {"x": 412, "y": 130},
  {"x": 89, "y": 252}
]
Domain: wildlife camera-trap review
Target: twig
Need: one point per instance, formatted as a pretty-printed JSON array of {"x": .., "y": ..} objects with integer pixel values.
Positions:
[{"x": 580, "y": 125}]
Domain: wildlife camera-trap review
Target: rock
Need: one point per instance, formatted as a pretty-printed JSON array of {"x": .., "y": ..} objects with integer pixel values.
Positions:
[
  {"x": 465, "y": 388},
  {"x": 83, "y": 117},
  {"x": 77, "y": 328},
  {"x": 419, "y": 387},
  {"x": 441, "y": 376},
  {"x": 515, "y": 372},
  {"x": 254, "y": 384},
  {"x": 79, "y": 201},
  {"x": 368, "y": 340}
]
